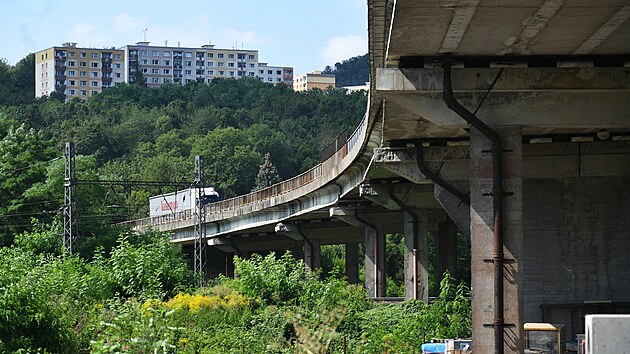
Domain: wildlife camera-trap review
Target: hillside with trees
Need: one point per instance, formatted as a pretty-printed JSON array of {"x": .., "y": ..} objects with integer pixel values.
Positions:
[
  {"x": 135, "y": 293},
  {"x": 351, "y": 72}
]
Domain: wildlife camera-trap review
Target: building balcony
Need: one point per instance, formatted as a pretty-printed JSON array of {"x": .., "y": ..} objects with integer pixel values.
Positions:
[{"x": 106, "y": 60}]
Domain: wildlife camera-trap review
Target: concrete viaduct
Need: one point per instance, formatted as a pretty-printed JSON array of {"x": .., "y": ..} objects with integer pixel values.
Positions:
[{"x": 507, "y": 120}]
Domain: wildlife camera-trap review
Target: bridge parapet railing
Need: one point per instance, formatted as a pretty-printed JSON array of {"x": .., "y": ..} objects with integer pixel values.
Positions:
[{"x": 289, "y": 185}]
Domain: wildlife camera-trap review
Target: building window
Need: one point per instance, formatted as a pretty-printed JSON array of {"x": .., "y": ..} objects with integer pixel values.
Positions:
[
  {"x": 71, "y": 83},
  {"x": 72, "y": 73},
  {"x": 117, "y": 65},
  {"x": 71, "y": 63},
  {"x": 94, "y": 65},
  {"x": 71, "y": 92},
  {"x": 83, "y": 83},
  {"x": 210, "y": 63},
  {"x": 270, "y": 79},
  {"x": 166, "y": 71},
  {"x": 252, "y": 65},
  {"x": 230, "y": 65},
  {"x": 278, "y": 72},
  {"x": 155, "y": 62},
  {"x": 83, "y": 73},
  {"x": 117, "y": 56},
  {"x": 210, "y": 55},
  {"x": 155, "y": 71},
  {"x": 261, "y": 71},
  {"x": 144, "y": 53},
  {"x": 94, "y": 55},
  {"x": 251, "y": 57},
  {"x": 94, "y": 92},
  {"x": 278, "y": 80},
  {"x": 220, "y": 64},
  {"x": 156, "y": 80},
  {"x": 188, "y": 63},
  {"x": 83, "y": 64},
  {"x": 94, "y": 74},
  {"x": 221, "y": 73},
  {"x": 167, "y": 62},
  {"x": 166, "y": 54},
  {"x": 231, "y": 73},
  {"x": 94, "y": 83},
  {"x": 220, "y": 55},
  {"x": 145, "y": 70},
  {"x": 83, "y": 55},
  {"x": 156, "y": 53},
  {"x": 270, "y": 72},
  {"x": 118, "y": 75},
  {"x": 251, "y": 73},
  {"x": 230, "y": 56},
  {"x": 145, "y": 61},
  {"x": 83, "y": 92},
  {"x": 188, "y": 72},
  {"x": 188, "y": 54},
  {"x": 71, "y": 54},
  {"x": 210, "y": 72}
]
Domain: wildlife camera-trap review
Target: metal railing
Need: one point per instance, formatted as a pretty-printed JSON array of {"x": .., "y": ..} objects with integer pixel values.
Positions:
[{"x": 289, "y": 185}]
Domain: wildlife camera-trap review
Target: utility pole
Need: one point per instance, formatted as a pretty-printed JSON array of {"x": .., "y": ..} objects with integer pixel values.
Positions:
[
  {"x": 68, "y": 203},
  {"x": 200, "y": 228}
]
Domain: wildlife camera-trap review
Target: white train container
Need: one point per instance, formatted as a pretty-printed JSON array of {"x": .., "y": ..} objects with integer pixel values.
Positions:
[{"x": 178, "y": 201}]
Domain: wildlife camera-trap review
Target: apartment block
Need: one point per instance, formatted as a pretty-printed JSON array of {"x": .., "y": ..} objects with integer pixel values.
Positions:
[
  {"x": 77, "y": 72},
  {"x": 160, "y": 64},
  {"x": 275, "y": 74},
  {"x": 312, "y": 80}
]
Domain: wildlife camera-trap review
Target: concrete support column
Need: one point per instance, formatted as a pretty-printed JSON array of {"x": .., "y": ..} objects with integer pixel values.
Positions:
[
  {"x": 416, "y": 255},
  {"x": 481, "y": 220},
  {"x": 229, "y": 265},
  {"x": 352, "y": 262},
  {"x": 446, "y": 250},
  {"x": 375, "y": 282},
  {"x": 312, "y": 254}
]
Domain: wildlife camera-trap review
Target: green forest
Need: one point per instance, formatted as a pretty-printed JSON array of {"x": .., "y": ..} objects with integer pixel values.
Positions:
[{"x": 122, "y": 292}]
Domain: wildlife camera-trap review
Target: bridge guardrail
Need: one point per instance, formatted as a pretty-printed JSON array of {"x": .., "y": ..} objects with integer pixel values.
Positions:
[{"x": 277, "y": 189}]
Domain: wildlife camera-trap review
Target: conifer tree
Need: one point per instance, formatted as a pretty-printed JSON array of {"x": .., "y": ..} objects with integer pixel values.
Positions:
[{"x": 267, "y": 175}]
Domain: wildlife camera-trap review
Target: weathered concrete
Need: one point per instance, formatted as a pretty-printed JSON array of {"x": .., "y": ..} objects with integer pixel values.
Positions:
[
  {"x": 446, "y": 250},
  {"x": 352, "y": 262},
  {"x": 416, "y": 251},
  {"x": 375, "y": 281},
  {"x": 577, "y": 237},
  {"x": 312, "y": 255},
  {"x": 481, "y": 219}
]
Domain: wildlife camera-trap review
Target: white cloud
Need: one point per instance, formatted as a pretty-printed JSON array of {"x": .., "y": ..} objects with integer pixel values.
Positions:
[
  {"x": 87, "y": 34},
  {"x": 340, "y": 48},
  {"x": 123, "y": 22}
]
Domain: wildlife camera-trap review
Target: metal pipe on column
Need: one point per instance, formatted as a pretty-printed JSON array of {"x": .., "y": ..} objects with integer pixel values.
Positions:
[{"x": 497, "y": 200}]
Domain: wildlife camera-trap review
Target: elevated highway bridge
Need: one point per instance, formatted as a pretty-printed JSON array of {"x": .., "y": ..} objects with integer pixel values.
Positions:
[{"x": 507, "y": 120}]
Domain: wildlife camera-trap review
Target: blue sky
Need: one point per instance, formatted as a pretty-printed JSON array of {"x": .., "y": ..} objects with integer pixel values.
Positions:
[{"x": 305, "y": 34}]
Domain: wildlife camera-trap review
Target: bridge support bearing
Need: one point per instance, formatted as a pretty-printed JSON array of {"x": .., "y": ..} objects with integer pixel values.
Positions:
[
  {"x": 375, "y": 282},
  {"x": 416, "y": 256},
  {"x": 481, "y": 220}
]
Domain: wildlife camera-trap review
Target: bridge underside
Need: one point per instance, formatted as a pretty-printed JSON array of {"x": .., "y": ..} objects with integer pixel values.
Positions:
[{"x": 552, "y": 79}]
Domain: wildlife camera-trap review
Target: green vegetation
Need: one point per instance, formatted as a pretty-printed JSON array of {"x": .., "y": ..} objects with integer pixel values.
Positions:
[
  {"x": 140, "y": 299},
  {"x": 130, "y": 293},
  {"x": 351, "y": 72}
]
